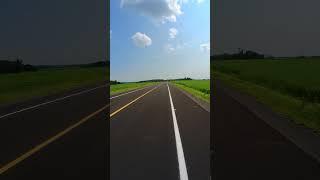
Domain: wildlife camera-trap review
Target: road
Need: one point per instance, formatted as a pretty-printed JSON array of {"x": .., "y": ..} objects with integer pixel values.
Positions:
[
  {"x": 63, "y": 136},
  {"x": 245, "y": 147},
  {"x": 159, "y": 133},
  {"x": 155, "y": 133}
]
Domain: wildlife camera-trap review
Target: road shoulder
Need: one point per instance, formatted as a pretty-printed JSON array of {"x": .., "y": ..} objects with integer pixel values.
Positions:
[
  {"x": 306, "y": 139},
  {"x": 205, "y": 105}
]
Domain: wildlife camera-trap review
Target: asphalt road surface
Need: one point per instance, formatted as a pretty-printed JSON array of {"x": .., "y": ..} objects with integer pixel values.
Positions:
[
  {"x": 245, "y": 147},
  {"x": 159, "y": 133},
  {"x": 58, "y": 137}
]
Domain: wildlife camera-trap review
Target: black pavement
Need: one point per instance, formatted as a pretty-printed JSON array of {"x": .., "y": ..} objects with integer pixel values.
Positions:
[
  {"x": 245, "y": 147},
  {"x": 80, "y": 153},
  {"x": 142, "y": 136}
]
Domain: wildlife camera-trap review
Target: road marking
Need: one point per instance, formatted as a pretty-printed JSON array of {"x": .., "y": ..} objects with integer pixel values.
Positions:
[
  {"x": 49, "y": 102},
  {"x": 112, "y": 114},
  {"x": 37, "y": 148},
  {"x": 128, "y": 92},
  {"x": 182, "y": 163}
]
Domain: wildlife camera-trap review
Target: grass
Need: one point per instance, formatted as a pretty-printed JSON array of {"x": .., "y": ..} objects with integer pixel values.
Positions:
[
  {"x": 298, "y": 77},
  {"x": 198, "y": 88},
  {"x": 289, "y": 87},
  {"x": 119, "y": 88},
  {"x": 26, "y": 85}
]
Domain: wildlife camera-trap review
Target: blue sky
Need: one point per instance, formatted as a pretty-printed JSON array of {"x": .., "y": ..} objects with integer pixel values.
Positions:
[{"x": 153, "y": 39}]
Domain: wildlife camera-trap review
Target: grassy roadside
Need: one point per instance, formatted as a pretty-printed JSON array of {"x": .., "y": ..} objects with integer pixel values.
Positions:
[
  {"x": 198, "y": 88},
  {"x": 119, "y": 88},
  {"x": 300, "y": 111},
  {"x": 26, "y": 85},
  {"x": 295, "y": 77}
]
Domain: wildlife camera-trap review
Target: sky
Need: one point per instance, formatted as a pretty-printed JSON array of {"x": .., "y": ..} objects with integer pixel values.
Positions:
[
  {"x": 53, "y": 32},
  {"x": 272, "y": 27},
  {"x": 152, "y": 39}
]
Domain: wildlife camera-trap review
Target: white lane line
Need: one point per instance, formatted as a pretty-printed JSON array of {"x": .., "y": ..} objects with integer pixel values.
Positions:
[
  {"x": 182, "y": 163},
  {"x": 128, "y": 92},
  {"x": 49, "y": 102}
]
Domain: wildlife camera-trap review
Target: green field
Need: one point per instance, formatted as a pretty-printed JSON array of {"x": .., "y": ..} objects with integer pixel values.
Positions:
[
  {"x": 22, "y": 86},
  {"x": 290, "y": 87},
  {"x": 119, "y": 88},
  {"x": 198, "y": 88}
]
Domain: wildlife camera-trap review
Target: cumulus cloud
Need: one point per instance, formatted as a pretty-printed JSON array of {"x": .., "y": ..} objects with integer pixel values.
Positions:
[
  {"x": 141, "y": 40},
  {"x": 173, "y": 33},
  {"x": 205, "y": 47},
  {"x": 169, "y": 48},
  {"x": 158, "y": 10}
]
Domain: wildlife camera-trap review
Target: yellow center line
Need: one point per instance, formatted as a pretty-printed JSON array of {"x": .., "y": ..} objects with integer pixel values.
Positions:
[
  {"x": 120, "y": 109},
  {"x": 50, "y": 140}
]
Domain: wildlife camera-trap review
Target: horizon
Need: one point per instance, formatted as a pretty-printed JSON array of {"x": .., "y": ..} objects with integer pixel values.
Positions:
[
  {"x": 262, "y": 53},
  {"x": 158, "y": 79}
]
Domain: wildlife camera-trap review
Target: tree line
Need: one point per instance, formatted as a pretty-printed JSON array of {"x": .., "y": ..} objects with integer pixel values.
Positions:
[
  {"x": 241, "y": 54},
  {"x": 112, "y": 82},
  {"x": 249, "y": 54},
  {"x": 94, "y": 64},
  {"x": 16, "y": 66}
]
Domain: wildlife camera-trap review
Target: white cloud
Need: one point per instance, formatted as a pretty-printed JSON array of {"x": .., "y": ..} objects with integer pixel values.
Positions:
[
  {"x": 205, "y": 47},
  {"x": 158, "y": 10},
  {"x": 169, "y": 48},
  {"x": 173, "y": 33},
  {"x": 141, "y": 40}
]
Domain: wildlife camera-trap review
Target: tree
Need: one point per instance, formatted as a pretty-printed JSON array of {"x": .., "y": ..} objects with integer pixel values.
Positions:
[{"x": 19, "y": 65}]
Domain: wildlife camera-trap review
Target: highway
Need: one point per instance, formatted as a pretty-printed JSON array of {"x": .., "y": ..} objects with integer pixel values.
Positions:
[
  {"x": 159, "y": 133},
  {"x": 63, "y": 136},
  {"x": 156, "y": 132},
  {"x": 245, "y": 147}
]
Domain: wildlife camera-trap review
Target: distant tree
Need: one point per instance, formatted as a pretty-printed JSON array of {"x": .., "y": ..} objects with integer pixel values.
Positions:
[
  {"x": 29, "y": 67},
  {"x": 7, "y": 66},
  {"x": 19, "y": 65},
  {"x": 241, "y": 54},
  {"x": 114, "y": 82}
]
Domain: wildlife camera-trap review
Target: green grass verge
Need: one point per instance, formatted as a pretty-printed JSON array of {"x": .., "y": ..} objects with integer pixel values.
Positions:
[
  {"x": 119, "y": 88},
  {"x": 300, "y": 111},
  {"x": 198, "y": 88},
  {"x": 295, "y": 77},
  {"x": 26, "y": 85}
]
